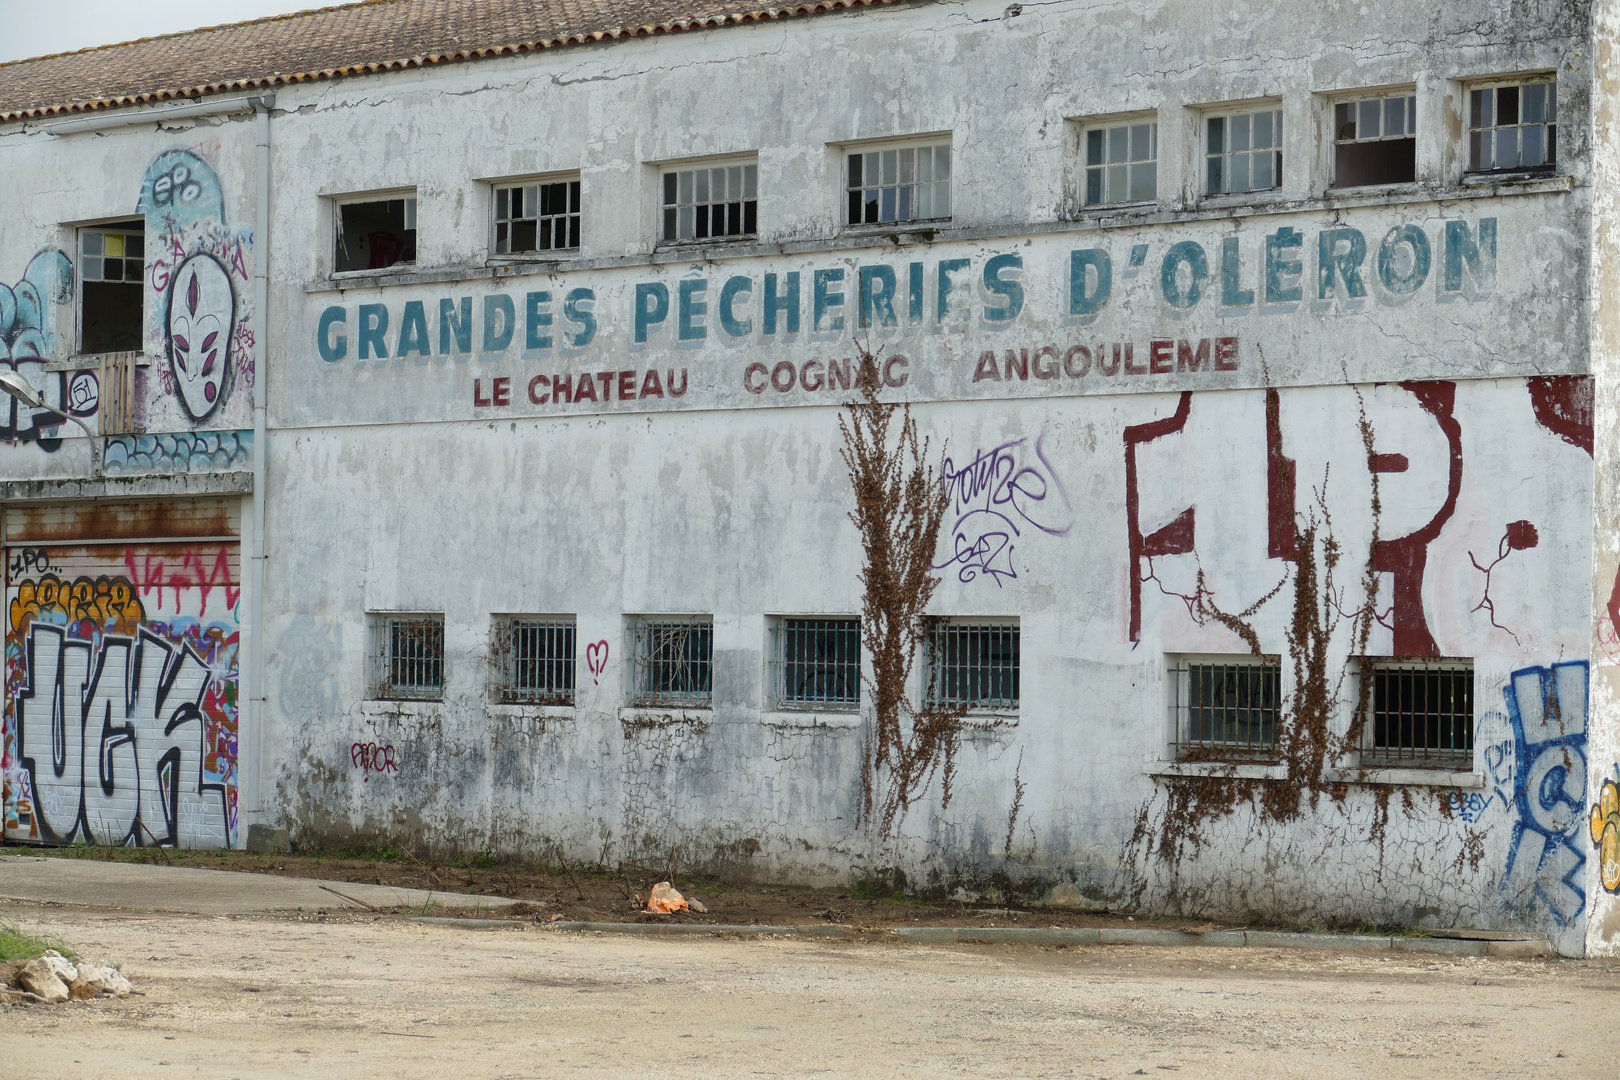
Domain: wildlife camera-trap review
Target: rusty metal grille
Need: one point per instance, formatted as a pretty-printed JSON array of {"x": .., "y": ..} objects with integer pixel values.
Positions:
[
  {"x": 535, "y": 660},
  {"x": 673, "y": 661},
  {"x": 972, "y": 665},
  {"x": 408, "y": 658},
  {"x": 1422, "y": 714},
  {"x": 1225, "y": 708},
  {"x": 816, "y": 664}
]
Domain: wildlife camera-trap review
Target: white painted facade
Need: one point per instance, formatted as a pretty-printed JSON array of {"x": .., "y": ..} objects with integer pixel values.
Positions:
[{"x": 427, "y": 476}]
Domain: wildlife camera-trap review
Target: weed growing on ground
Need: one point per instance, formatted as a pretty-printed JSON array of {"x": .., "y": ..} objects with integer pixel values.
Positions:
[{"x": 15, "y": 944}]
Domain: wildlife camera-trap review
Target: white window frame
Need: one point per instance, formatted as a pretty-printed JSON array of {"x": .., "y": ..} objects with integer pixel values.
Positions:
[
  {"x": 1470, "y": 172},
  {"x": 572, "y": 217},
  {"x": 749, "y": 164},
  {"x": 383, "y": 666},
  {"x": 338, "y": 202},
  {"x": 1409, "y": 120},
  {"x": 838, "y": 664},
  {"x": 989, "y": 704},
  {"x": 122, "y": 226},
  {"x": 556, "y": 672},
  {"x": 1185, "y": 745},
  {"x": 906, "y": 190},
  {"x": 1228, "y": 113},
  {"x": 1414, "y": 757},
  {"x": 1105, "y": 171}
]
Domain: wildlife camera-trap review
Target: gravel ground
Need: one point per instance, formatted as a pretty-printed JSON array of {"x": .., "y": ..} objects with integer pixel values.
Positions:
[{"x": 332, "y": 998}]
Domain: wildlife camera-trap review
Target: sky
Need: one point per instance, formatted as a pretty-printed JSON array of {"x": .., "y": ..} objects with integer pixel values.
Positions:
[{"x": 38, "y": 27}]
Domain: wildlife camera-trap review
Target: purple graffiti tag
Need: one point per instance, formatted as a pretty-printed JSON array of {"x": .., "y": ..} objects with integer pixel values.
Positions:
[{"x": 994, "y": 498}]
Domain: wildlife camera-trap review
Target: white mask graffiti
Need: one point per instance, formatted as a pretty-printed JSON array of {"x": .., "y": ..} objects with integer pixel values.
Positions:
[{"x": 202, "y": 320}]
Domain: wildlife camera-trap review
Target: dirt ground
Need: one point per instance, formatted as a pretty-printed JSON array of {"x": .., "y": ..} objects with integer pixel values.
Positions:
[
  {"x": 381, "y": 997},
  {"x": 619, "y": 895}
]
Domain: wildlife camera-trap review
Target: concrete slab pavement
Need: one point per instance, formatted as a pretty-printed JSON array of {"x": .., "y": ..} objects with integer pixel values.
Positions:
[{"x": 137, "y": 887}]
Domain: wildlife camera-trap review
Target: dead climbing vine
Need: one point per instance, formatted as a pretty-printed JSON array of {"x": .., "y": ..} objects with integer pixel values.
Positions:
[{"x": 900, "y": 507}]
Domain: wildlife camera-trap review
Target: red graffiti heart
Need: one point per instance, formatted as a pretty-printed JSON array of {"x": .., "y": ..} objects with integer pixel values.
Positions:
[{"x": 596, "y": 657}]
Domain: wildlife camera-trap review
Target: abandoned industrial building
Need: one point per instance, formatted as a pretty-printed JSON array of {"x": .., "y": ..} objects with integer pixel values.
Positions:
[{"x": 439, "y": 423}]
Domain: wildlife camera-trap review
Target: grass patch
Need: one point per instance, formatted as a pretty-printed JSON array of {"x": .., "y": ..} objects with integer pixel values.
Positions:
[
  {"x": 17, "y": 945},
  {"x": 361, "y": 852}
]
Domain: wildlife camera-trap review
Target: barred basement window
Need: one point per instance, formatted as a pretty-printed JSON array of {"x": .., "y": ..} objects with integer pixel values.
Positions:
[
  {"x": 536, "y": 217},
  {"x": 1122, "y": 163},
  {"x": 534, "y": 659},
  {"x": 1422, "y": 713},
  {"x": 1225, "y": 707},
  {"x": 1244, "y": 152},
  {"x": 407, "y": 658},
  {"x": 1375, "y": 141},
  {"x": 972, "y": 664},
  {"x": 710, "y": 203},
  {"x": 1513, "y": 126},
  {"x": 816, "y": 664},
  {"x": 902, "y": 183},
  {"x": 112, "y": 265},
  {"x": 672, "y": 660}
]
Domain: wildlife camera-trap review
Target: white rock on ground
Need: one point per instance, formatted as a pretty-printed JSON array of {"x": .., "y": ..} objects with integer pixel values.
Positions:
[
  {"x": 38, "y": 977},
  {"x": 99, "y": 979},
  {"x": 64, "y": 968}
]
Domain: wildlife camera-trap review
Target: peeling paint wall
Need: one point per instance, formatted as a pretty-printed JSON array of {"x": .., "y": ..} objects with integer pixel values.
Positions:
[{"x": 1122, "y": 400}]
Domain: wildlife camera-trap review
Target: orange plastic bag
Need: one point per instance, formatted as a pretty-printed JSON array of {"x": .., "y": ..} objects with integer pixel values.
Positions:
[{"x": 665, "y": 899}]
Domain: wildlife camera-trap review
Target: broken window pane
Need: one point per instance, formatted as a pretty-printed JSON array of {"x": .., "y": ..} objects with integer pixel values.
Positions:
[
  {"x": 903, "y": 184},
  {"x": 110, "y": 289},
  {"x": 375, "y": 235},
  {"x": 713, "y": 202},
  {"x": 1379, "y": 146},
  {"x": 537, "y": 217},
  {"x": 1243, "y": 151},
  {"x": 1511, "y": 127}
]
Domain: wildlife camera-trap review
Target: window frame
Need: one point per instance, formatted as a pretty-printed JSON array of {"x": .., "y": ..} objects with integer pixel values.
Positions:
[
  {"x": 641, "y": 632},
  {"x": 1356, "y": 97},
  {"x": 779, "y": 664},
  {"x": 1375, "y": 756},
  {"x": 989, "y": 705},
  {"x": 1179, "y": 704},
  {"x": 382, "y": 683},
  {"x": 119, "y": 226},
  {"x": 1104, "y": 124},
  {"x": 339, "y": 202},
  {"x": 539, "y": 180},
  {"x": 846, "y": 151},
  {"x": 1227, "y": 112},
  {"x": 669, "y": 168},
  {"x": 506, "y": 635},
  {"x": 1472, "y": 174}
]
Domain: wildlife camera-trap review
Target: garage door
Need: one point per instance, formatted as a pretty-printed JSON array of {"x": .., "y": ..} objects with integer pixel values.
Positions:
[{"x": 121, "y": 672}]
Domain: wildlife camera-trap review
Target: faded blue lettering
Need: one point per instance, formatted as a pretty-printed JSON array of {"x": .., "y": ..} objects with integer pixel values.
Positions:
[
  {"x": 877, "y": 295},
  {"x": 652, "y": 306},
  {"x": 1333, "y": 264},
  {"x": 1009, "y": 288},
  {"x": 689, "y": 322},
  {"x": 1192, "y": 254},
  {"x": 733, "y": 288},
  {"x": 1279, "y": 266},
  {"x": 823, "y": 300},
  {"x": 1084, "y": 297}
]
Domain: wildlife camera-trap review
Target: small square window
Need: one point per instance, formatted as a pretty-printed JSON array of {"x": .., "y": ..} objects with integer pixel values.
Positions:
[
  {"x": 711, "y": 202},
  {"x": 972, "y": 665},
  {"x": 1243, "y": 151},
  {"x": 536, "y": 216},
  {"x": 672, "y": 660},
  {"x": 407, "y": 657},
  {"x": 1513, "y": 127},
  {"x": 374, "y": 235},
  {"x": 1225, "y": 707},
  {"x": 1122, "y": 163},
  {"x": 534, "y": 659},
  {"x": 898, "y": 183},
  {"x": 1421, "y": 713},
  {"x": 112, "y": 266},
  {"x": 816, "y": 664},
  {"x": 1375, "y": 141}
]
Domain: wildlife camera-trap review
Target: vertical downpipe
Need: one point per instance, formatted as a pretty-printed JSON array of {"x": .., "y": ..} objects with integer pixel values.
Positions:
[{"x": 252, "y": 741}]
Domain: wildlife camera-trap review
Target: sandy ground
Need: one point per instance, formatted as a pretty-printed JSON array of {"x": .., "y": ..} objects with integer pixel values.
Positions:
[{"x": 366, "y": 997}]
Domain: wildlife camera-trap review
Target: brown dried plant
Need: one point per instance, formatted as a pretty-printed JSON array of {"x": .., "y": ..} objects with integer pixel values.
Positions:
[{"x": 900, "y": 507}]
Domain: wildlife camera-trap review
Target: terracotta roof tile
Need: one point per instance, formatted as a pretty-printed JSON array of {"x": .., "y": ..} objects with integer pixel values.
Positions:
[{"x": 376, "y": 35}]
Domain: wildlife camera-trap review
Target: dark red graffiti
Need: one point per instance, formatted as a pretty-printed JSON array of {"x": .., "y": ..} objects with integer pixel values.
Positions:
[
  {"x": 1282, "y": 541},
  {"x": 1519, "y": 536},
  {"x": 200, "y": 570},
  {"x": 1563, "y": 405},
  {"x": 1407, "y": 557},
  {"x": 373, "y": 758},
  {"x": 1175, "y": 538}
]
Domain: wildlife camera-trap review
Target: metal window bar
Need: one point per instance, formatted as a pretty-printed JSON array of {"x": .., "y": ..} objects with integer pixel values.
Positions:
[
  {"x": 818, "y": 664},
  {"x": 703, "y": 204},
  {"x": 410, "y": 658},
  {"x": 911, "y": 183},
  {"x": 537, "y": 217},
  {"x": 536, "y": 661},
  {"x": 673, "y": 661},
  {"x": 973, "y": 666},
  {"x": 1513, "y": 127},
  {"x": 1122, "y": 163},
  {"x": 1244, "y": 152},
  {"x": 1422, "y": 713},
  {"x": 1226, "y": 709}
]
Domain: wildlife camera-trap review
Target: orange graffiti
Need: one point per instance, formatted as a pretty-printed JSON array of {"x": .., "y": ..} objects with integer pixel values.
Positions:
[{"x": 109, "y": 602}]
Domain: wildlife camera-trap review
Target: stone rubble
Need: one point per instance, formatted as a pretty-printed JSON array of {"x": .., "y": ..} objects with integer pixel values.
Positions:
[{"x": 53, "y": 979}]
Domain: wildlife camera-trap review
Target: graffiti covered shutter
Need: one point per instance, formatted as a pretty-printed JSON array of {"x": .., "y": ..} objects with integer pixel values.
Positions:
[{"x": 122, "y": 635}]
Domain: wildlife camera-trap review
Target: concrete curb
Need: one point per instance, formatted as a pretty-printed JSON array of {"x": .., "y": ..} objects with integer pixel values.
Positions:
[{"x": 1530, "y": 945}]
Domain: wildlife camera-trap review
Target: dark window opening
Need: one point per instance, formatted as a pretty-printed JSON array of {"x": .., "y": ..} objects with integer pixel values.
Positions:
[
  {"x": 1513, "y": 128},
  {"x": 1375, "y": 141},
  {"x": 537, "y": 217},
  {"x": 376, "y": 235},
  {"x": 1422, "y": 714},
  {"x": 112, "y": 265},
  {"x": 1229, "y": 708}
]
